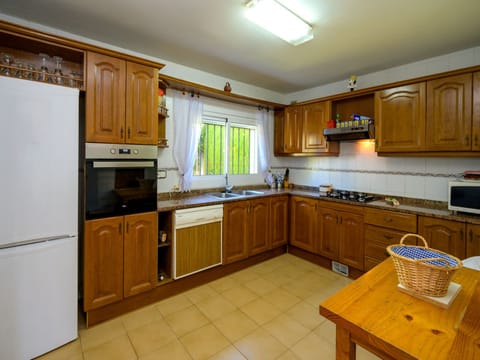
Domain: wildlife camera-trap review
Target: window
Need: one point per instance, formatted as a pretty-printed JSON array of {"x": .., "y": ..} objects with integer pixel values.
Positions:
[{"x": 226, "y": 147}]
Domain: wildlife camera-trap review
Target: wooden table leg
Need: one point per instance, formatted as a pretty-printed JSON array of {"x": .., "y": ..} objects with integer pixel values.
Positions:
[{"x": 345, "y": 347}]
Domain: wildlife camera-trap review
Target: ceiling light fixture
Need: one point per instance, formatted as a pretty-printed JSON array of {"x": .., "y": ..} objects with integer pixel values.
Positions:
[{"x": 279, "y": 20}]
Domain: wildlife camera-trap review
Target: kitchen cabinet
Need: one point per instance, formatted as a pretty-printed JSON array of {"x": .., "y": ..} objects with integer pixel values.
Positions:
[
  {"x": 279, "y": 220},
  {"x": 384, "y": 228},
  {"x": 473, "y": 240},
  {"x": 121, "y": 101},
  {"x": 400, "y": 119},
  {"x": 449, "y": 113},
  {"x": 300, "y": 130},
  {"x": 444, "y": 235},
  {"x": 259, "y": 217},
  {"x": 119, "y": 258},
  {"x": 476, "y": 112},
  {"x": 340, "y": 234},
  {"x": 303, "y": 222}
]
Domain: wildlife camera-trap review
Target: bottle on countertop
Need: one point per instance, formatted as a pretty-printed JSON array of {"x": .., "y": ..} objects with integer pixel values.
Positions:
[{"x": 285, "y": 178}]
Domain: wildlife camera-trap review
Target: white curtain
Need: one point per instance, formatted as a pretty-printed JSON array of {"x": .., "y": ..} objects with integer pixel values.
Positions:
[
  {"x": 264, "y": 119},
  {"x": 187, "y": 120}
]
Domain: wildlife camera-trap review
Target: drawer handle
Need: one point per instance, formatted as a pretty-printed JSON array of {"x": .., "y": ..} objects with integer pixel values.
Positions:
[
  {"x": 388, "y": 220},
  {"x": 388, "y": 237}
]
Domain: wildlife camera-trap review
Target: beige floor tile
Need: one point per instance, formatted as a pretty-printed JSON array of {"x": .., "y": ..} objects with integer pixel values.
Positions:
[
  {"x": 260, "y": 345},
  {"x": 173, "y": 304},
  {"x": 288, "y": 356},
  {"x": 204, "y": 342},
  {"x": 286, "y": 330},
  {"x": 239, "y": 295},
  {"x": 313, "y": 347},
  {"x": 200, "y": 293},
  {"x": 281, "y": 299},
  {"x": 186, "y": 320},
  {"x": 318, "y": 297},
  {"x": 215, "y": 307},
  {"x": 102, "y": 333},
  {"x": 277, "y": 279},
  {"x": 230, "y": 353},
  {"x": 141, "y": 317},
  {"x": 363, "y": 354},
  {"x": 72, "y": 350},
  {"x": 224, "y": 284},
  {"x": 299, "y": 288},
  {"x": 245, "y": 275},
  {"x": 235, "y": 325},
  {"x": 326, "y": 330},
  {"x": 306, "y": 314},
  {"x": 118, "y": 349},
  {"x": 260, "y": 311},
  {"x": 267, "y": 266},
  {"x": 172, "y": 351},
  {"x": 260, "y": 286},
  {"x": 151, "y": 337}
]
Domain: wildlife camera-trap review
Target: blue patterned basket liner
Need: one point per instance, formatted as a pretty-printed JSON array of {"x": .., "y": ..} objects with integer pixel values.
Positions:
[{"x": 416, "y": 253}]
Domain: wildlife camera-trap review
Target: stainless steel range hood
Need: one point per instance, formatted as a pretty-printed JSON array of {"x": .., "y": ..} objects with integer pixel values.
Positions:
[{"x": 350, "y": 133}]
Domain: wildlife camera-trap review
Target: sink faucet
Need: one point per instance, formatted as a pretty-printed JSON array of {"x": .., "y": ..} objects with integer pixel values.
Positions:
[{"x": 228, "y": 188}]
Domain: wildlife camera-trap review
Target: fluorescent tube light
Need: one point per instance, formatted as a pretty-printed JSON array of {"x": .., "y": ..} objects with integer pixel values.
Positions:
[{"x": 279, "y": 20}]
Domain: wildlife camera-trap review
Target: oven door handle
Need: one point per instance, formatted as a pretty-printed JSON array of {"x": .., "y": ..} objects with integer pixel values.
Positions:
[{"x": 123, "y": 164}]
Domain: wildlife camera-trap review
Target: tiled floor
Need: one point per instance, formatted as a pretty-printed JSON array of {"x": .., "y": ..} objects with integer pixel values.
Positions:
[{"x": 268, "y": 311}]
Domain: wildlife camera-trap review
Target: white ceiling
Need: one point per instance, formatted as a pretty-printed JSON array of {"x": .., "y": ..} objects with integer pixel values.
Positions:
[{"x": 351, "y": 36}]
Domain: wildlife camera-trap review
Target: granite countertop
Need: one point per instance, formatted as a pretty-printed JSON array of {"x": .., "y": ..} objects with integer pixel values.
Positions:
[{"x": 413, "y": 206}]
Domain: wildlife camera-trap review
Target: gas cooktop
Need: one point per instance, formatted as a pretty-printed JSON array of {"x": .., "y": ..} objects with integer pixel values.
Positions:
[{"x": 351, "y": 196}]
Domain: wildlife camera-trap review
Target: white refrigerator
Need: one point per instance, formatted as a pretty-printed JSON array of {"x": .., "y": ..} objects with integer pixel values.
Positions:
[{"x": 38, "y": 217}]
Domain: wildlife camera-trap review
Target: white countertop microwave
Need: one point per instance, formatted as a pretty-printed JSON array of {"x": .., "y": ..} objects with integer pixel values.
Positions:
[{"x": 464, "y": 196}]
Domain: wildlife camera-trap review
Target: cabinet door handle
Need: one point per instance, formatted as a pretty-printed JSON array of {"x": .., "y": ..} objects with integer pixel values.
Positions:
[
  {"x": 467, "y": 140},
  {"x": 120, "y": 229},
  {"x": 121, "y": 132},
  {"x": 388, "y": 237},
  {"x": 128, "y": 227},
  {"x": 339, "y": 220},
  {"x": 128, "y": 132},
  {"x": 388, "y": 220},
  {"x": 461, "y": 234},
  {"x": 470, "y": 235}
]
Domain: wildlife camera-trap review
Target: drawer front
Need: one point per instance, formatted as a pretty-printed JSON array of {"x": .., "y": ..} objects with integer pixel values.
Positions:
[
  {"x": 391, "y": 220},
  {"x": 370, "y": 263},
  {"x": 377, "y": 239}
]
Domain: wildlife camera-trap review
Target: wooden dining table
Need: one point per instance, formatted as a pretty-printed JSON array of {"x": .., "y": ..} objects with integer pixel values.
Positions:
[{"x": 392, "y": 324}]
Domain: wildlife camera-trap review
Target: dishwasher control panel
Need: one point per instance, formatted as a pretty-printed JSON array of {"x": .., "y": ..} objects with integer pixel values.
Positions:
[{"x": 198, "y": 215}]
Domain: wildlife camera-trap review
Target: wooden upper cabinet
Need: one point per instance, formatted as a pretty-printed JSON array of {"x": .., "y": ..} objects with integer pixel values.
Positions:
[
  {"x": 315, "y": 118},
  {"x": 278, "y": 127},
  {"x": 142, "y": 104},
  {"x": 444, "y": 235},
  {"x": 103, "y": 262},
  {"x": 121, "y": 101},
  {"x": 449, "y": 114},
  {"x": 140, "y": 248},
  {"x": 292, "y": 130},
  {"x": 476, "y": 112},
  {"x": 105, "y": 99},
  {"x": 400, "y": 119}
]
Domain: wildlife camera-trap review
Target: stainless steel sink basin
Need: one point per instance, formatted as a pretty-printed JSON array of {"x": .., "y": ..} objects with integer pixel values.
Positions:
[
  {"x": 248, "y": 192},
  {"x": 223, "y": 195}
]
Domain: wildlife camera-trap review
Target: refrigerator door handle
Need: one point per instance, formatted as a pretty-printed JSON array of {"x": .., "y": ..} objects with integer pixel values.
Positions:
[{"x": 35, "y": 241}]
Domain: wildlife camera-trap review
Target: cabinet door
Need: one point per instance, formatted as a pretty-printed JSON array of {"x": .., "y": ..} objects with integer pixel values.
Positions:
[
  {"x": 303, "y": 219},
  {"x": 315, "y": 118},
  {"x": 329, "y": 233},
  {"x": 400, "y": 119},
  {"x": 476, "y": 112},
  {"x": 259, "y": 217},
  {"x": 444, "y": 235},
  {"x": 279, "y": 220},
  {"x": 142, "y": 103},
  {"x": 279, "y": 125},
  {"x": 351, "y": 244},
  {"x": 292, "y": 131},
  {"x": 449, "y": 113},
  {"x": 235, "y": 231},
  {"x": 140, "y": 253},
  {"x": 105, "y": 99},
  {"x": 103, "y": 262},
  {"x": 473, "y": 241}
]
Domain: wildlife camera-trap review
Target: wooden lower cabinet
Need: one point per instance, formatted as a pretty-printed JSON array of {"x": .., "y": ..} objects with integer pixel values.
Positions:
[
  {"x": 259, "y": 218},
  {"x": 340, "y": 236},
  {"x": 303, "y": 222},
  {"x": 444, "y": 235},
  {"x": 235, "y": 231},
  {"x": 279, "y": 220},
  {"x": 473, "y": 240},
  {"x": 119, "y": 258}
]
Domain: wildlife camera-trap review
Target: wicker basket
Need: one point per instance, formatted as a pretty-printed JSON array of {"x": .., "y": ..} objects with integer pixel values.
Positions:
[{"x": 423, "y": 270}]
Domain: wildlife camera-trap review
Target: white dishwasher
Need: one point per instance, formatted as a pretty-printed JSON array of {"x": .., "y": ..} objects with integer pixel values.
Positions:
[{"x": 198, "y": 239}]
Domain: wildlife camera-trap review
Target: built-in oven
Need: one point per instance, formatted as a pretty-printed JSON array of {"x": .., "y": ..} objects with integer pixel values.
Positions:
[{"x": 119, "y": 179}]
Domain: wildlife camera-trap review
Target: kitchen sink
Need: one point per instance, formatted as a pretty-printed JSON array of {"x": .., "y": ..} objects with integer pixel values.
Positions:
[
  {"x": 224, "y": 195},
  {"x": 248, "y": 192}
]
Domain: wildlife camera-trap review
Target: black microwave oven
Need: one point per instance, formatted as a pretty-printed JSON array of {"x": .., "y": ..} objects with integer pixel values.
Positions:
[{"x": 464, "y": 196}]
